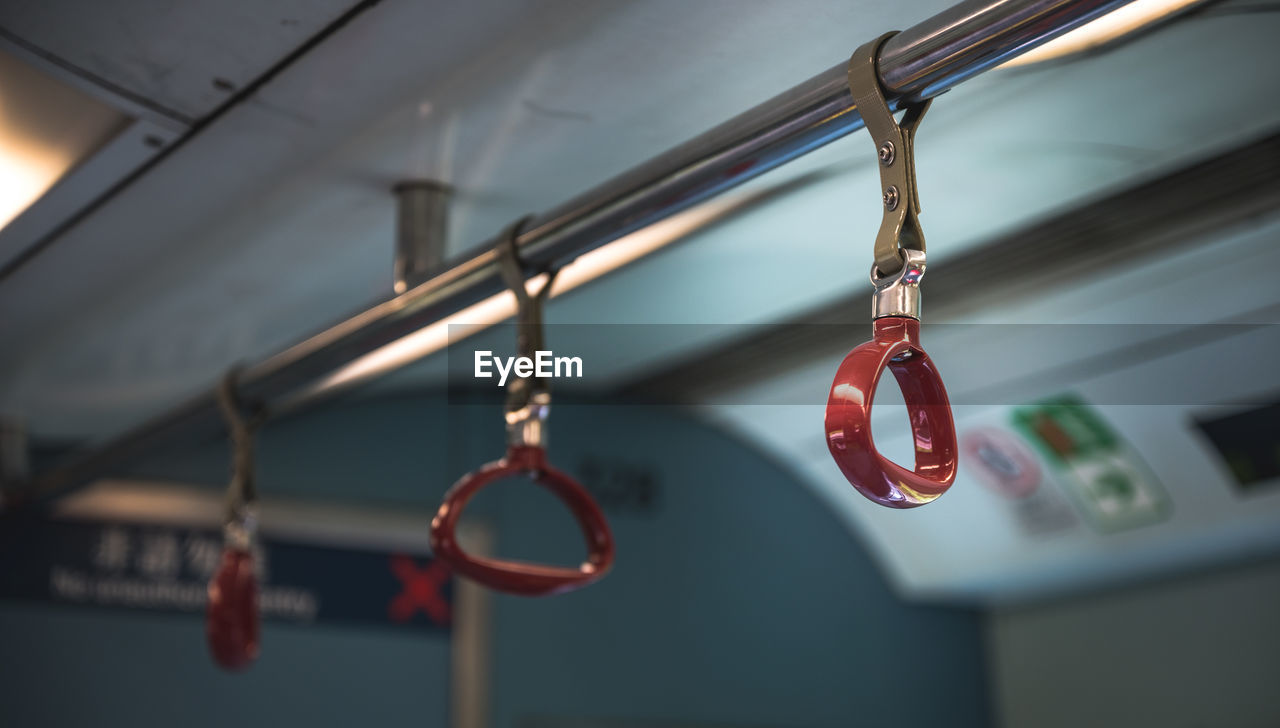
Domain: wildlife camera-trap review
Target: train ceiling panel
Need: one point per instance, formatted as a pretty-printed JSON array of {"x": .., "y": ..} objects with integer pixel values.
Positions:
[
  {"x": 292, "y": 226},
  {"x": 181, "y": 59}
]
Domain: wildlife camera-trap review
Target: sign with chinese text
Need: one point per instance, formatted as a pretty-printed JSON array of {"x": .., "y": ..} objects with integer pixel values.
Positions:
[{"x": 148, "y": 566}]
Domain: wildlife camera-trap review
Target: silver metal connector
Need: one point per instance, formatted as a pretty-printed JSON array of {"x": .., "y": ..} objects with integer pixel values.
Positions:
[
  {"x": 898, "y": 294},
  {"x": 241, "y": 530},
  {"x": 527, "y": 426}
]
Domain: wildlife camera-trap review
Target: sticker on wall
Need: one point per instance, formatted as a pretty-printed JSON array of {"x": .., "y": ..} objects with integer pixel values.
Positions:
[
  {"x": 1107, "y": 478},
  {"x": 1006, "y": 466}
]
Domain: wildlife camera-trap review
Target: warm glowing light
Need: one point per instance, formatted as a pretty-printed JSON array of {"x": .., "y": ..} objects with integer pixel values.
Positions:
[
  {"x": 46, "y": 128},
  {"x": 495, "y": 309},
  {"x": 25, "y": 175},
  {"x": 1115, "y": 24}
]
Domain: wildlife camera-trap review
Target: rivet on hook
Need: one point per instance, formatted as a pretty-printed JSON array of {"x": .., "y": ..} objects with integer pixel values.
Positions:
[
  {"x": 886, "y": 153},
  {"x": 891, "y": 198}
]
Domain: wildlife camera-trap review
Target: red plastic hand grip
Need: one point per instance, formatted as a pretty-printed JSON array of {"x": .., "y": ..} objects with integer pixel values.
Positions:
[
  {"x": 516, "y": 577},
  {"x": 896, "y": 345},
  {"x": 231, "y": 619}
]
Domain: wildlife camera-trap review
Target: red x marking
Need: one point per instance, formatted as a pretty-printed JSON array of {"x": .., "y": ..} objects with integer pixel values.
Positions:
[{"x": 421, "y": 590}]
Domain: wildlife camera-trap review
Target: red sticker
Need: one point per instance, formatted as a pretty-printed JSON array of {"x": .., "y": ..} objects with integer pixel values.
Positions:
[
  {"x": 1001, "y": 461},
  {"x": 422, "y": 590}
]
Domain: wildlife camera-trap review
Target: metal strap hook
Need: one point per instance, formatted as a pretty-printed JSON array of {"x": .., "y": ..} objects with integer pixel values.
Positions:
[
  {"x": 899, "y": 265},
  {"x": 242, "y": 424},
  {"x": 895, "y": 148},
  {"x": 528, "y": 398},
  {"x": 232, "y": 622}
]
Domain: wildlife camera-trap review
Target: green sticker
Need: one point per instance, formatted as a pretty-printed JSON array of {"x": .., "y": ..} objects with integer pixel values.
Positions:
[{"x": 1106, "y": 477}]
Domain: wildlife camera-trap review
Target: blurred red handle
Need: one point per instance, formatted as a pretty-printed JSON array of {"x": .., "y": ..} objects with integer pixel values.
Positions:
[
  {"x": 896, "y": 345},
  {"x": 231, "y": 617},
  {"x": 517, "y": 577}
]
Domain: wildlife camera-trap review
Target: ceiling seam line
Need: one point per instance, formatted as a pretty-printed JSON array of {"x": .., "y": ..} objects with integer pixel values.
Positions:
[
  {"x": 32, "y": 251},
  {"x": 101, "y": 82}
]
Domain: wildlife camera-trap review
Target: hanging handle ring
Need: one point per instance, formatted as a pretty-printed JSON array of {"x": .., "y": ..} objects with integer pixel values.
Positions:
[
  {"x": 896, "y": 274},
  {"x": 528, "y": 405},
  {"x": 895, "y": 345},
  {"x": 517, "y": 577}
]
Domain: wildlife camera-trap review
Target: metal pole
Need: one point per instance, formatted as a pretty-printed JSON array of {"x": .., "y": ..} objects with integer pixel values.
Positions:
[
  {"x": 920, "y": 62},
  {"x": 422, "y": 216},
  {"x": 14, "y": 465}
]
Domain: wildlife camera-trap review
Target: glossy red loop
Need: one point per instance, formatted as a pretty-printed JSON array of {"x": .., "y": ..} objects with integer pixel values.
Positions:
[
  {"x": 896, "y": 345},
  {"x": 231, "y": 618},
  {"x": 518, "y": 577}
]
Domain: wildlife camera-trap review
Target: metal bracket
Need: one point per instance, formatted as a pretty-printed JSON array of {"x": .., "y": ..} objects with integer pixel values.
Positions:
[
  {"x": 242, "y": 493},
  {"x": 895, "y": 149},
  {"x": 528, "y": 398},
  {"x": 422, "y": 217},
  {"x": 898, "y": 294}
]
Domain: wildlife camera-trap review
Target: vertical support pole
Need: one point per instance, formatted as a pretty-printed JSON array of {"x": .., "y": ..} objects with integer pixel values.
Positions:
[
  {"x": 472, "y": 639},
  {"x": 14, "y": 467},
  {"x": 422, "y": 223}
]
